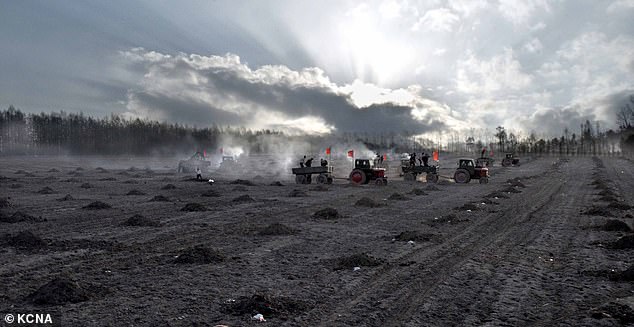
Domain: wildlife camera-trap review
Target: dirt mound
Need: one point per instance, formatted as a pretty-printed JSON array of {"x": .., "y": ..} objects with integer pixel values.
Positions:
[
  {"x": 135, "y": 192},
  {"x": 515, "y": 182},
  {"x": 66, "y": 197},
  {"x": 26, "y": 240},
  {"x": 60, "y": 290},
  {"x": 46, "y": 190},
  {"x": 615, "y": 225},
  {"x": 20, "y": 172},
  {"x": 467, "y": 206},
  {"x": 628, "y": 274},
  {"x": 277, "y": 229},
  {"x": 86, "y": 185},
  {"x": 53, "y": 170},
  {"x": 242, "y": 182},
  {"x": 75, "y": 173},
  {"x": 619, "y": 206},
  {"x": 193, "y": 206},
  {"x": 123, "y": 173},
  {"x": 277, "y": 183},
  {"x": 415, "y": 236},
  {"x": 243, "y": 199},
  {"x": 431, "y": 188},
  {"x": 169, "y": 187},
  {"x": 398, "y": 197},
  {"x": 297, "y": 194},
  {"x": 133, "y": 169},
  {"x": 141, "y": 221},
  {"x": 621, "y": 312},
  {"x": 101, "y": 170},
  {"x": 19, "y": 216},
  {"x": 159, "y": 198},
  {"x": 15, "y": 185},
  {"x": 608, "y": 198},
  {"x": 327, "y": 213},
  {"x": 367, "y": 202},
  {"x": 319, "y": 188},
  {"x": 417, "y": 191},
  {"x": 199, "y": 255},
  {"x": 625, "y": 242},
  {"x": 449, "y": 218},
  {"x": 210, "y": 194},
  {"x": 266, "y": 305},
  {"x": 97, "y": 205},
  {"x": 5, "y": 203},
  {"x": 356, "y": 260},
  {"x": 510, "y": 189},
  {"x": 607, "y": 193},
  {"x": 443, "y": 181},
  {"x": 107, "y": 179},
  {"x": 598, "y": 211}
]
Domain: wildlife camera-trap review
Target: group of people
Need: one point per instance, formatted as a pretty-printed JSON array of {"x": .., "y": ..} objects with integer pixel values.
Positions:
[
  {"x": 423, "y": 160},
  {"x": 309, "y": 162}
]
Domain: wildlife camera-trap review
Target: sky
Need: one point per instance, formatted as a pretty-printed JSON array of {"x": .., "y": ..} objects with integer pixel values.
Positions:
[{"x": 319, "y": 67}]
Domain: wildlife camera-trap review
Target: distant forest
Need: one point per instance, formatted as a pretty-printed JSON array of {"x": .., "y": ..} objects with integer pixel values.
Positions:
[{"x": 69, "y": 133}]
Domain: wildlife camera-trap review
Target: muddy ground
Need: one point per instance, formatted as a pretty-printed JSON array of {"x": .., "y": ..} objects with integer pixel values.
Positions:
[{"x": 548, "y": 243}]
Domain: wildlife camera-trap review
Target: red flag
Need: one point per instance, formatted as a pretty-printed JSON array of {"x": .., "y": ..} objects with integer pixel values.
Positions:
[
  {"x": 491, "y": 154},
  {"x": 385, "y": 157},
  {"x": 435, "y": 155},
  {"x": 351, "y": 153},
  {"x": 327, "y": 150},
  {"x": 205, "y": 153}
]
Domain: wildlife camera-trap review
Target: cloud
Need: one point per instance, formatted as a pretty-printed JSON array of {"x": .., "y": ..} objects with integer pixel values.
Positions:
[
  {"x": 501, "y": 73},
  {"x": 620, "y": 5},
  {"x": 204, "y": 90},
  {"x": 533, "y": 46},
  {"x": 520, "y": 12},
  {"x": 439, "y": 20}
]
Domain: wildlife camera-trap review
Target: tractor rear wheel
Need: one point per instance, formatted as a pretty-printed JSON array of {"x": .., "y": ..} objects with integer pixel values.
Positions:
[
  {"x": 410, "y": 177},
  {"x": 358, "y": 177},
  {"x": 322, "y": 179},
  {"x": 329, "y": 180},
  {"x": 380, "y": 181},
  {"x": 484, "y": 180},
  {"x": 506, "y": 162},
  {"x": 300, "y": 179},
  {"x": 309, "y": 179},
  {"x": 432, "y": 178},
  {"x": 461, "y": 176}
]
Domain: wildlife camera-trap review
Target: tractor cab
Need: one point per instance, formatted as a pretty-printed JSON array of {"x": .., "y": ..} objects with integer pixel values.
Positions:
[
  {"x": 228, "y": 159},
  {"x": 363, "y": 164}
]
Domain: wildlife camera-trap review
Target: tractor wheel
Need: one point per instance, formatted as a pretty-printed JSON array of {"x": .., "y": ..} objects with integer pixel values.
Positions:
[
  {"x": 358, "y": 177},
  {"x": 432, "y": 178},
  {"x": 322, "y": 179},
  {"x": 461, "y": 176},
  {"x": 410, "y": 177},
  {"x": 309, "y": 179},
  {"x": 380, "y": 181},
  {"x": 484, "y": 180},
  {"x": 384, "y": 181},
  {"x": 300, "y": 179},
  {"x": 329, "y": 180},
  {"x": 506, "y": 162}
]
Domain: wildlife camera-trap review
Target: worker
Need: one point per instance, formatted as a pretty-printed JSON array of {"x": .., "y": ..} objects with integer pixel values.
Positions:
[
  {"x": 484, "y": 150},
  {"x": 324, "y": 162},
  {"x": 309, "y": 162},
  {"x": 199, "y": 174},
  {"x": 412, "y": 159},
  {"x": 420, "y": 159},
  {"x": 425, "y": 158},
  {"x": 301, "y": 162}
]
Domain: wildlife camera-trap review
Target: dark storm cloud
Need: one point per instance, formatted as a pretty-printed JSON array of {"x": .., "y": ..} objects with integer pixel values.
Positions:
[{"x": 221, "y": 90}]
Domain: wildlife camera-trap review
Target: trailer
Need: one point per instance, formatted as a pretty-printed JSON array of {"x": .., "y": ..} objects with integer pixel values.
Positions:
[
  {"x": 304, "y": 175},
  {"x": 411, "y": 172}
]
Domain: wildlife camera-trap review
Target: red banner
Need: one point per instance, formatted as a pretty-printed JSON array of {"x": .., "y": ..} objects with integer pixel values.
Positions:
[
  {"x": 351, "y": 153},
  {"x": 327, "y": 150},
  {"x": 385, "y": 157},
  {"x": 435, "y": 155}
]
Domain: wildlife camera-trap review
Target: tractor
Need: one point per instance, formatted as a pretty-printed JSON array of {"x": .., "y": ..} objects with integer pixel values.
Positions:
[
  {"x": 469, "y": 169},
  {"x": 196, "y": 161},
  {"x": 363, "y": 173},
  {"x": 411, "y": 172},
  {"x": 510, "y": 160},
  {"x": 304, "y": 175}
]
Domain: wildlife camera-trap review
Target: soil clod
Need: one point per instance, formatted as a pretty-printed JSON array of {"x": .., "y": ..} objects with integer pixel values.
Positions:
[
  {"x": 26, "y": 240},
  {"x": 86, "y": 185},
  {"x": 97, "y": 205},
  {"x": 367, "y": 202},
  {"x": 327, "y": 213},
  {"x": 46, "y": 190},
  {"x": 243, "y": 199},
  {"x": 141, "y": 221},
  {"x": 417, "y": 191},
  {"x": 159, "y": 198},
  {"x": 277, "y": 183},
  {"x": 467, "y": 206},
  {"x": 199, "y": 255},
  {"x": 356, "y": 260},
  {"x": 598, "y": 211},
  {"x": 135, "y": 192},
  {"x": 615, "y": 225},
  {"x": 277, "y": 229},
  {"x": 431, "y": 188},
  {"x": 169, "y": 187},
  {"x": 319, "y": 188},
  {"x": 266, "y": 305},
  {"x": 193, "y": 207},
  {"x": 242, "y": 182},
  {"x": 66, "y": 197},
  {"x": 295, "y": 193},
  {"x": 60, "y": 290},
  {"x": 398, "y": 197}
]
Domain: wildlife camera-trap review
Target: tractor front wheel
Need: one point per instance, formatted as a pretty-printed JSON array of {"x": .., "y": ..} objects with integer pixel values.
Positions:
[
  {"x": 322, "y": 179},
  {"x": 358, "y": 177},
  {"x": 410, "y": 177},
  {"x": 461, "y": 176},
  {"x": 484, "y": 180},
  {"x": 380, "y": 181},
  {"x": 300, "y": 179},
  {"x": 506, "y": 162},
  {"x": 432, "y": 178}
]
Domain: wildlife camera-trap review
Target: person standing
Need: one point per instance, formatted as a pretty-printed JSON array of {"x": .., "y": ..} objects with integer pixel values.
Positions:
[
  {"x": 301, "y": 162},
  {"x": 425, "y": 158},
  {"x": 199, "y": 174}
]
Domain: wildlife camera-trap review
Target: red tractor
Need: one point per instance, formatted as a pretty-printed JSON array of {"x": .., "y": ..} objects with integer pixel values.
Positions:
[
  {"x": 363, "y": 173},
  {"x": 469, "y": 169}
]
